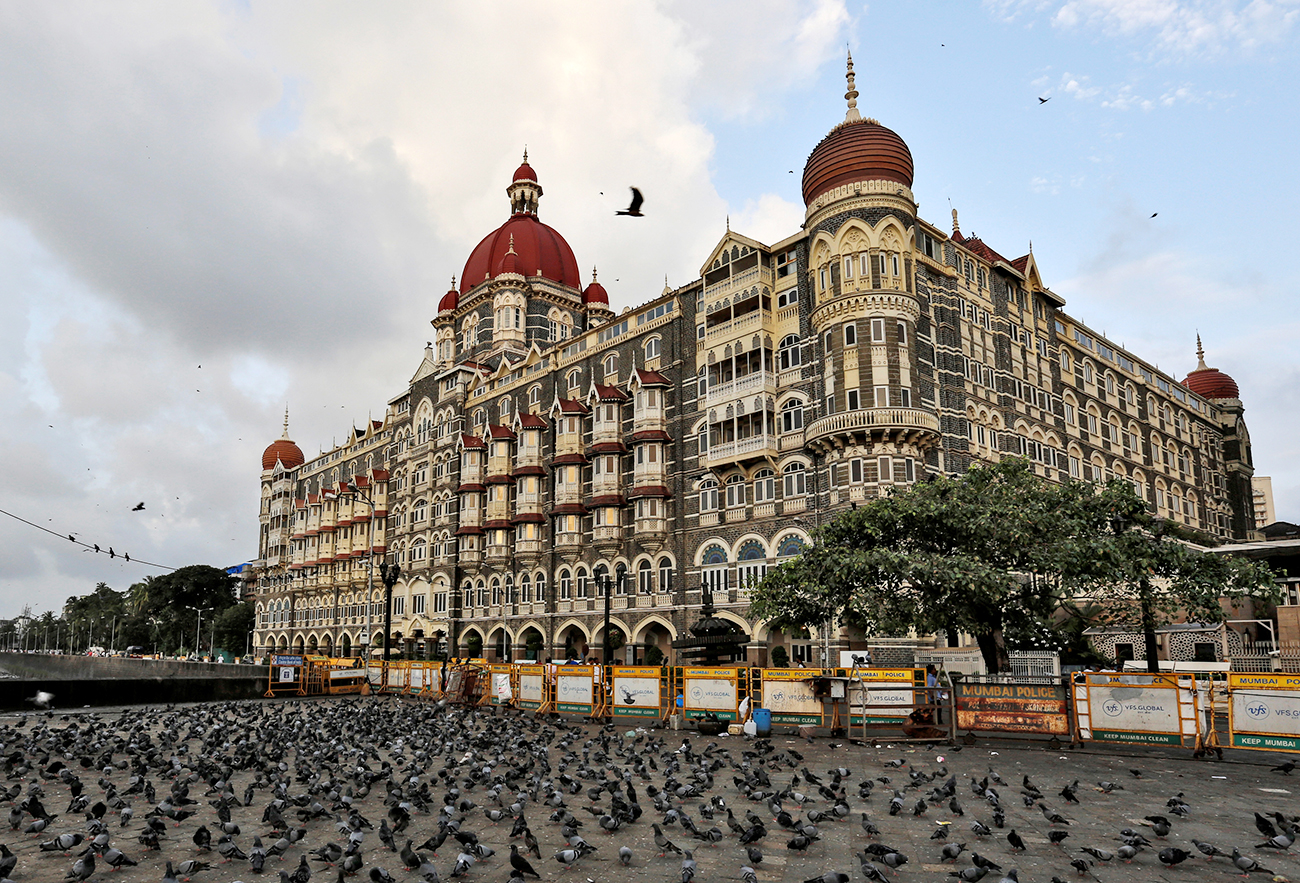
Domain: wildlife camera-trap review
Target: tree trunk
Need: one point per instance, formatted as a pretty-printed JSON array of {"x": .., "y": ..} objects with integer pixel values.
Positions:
[
  {"x": 1149, "y": 627},
  {"x": 993, "y": 647}
]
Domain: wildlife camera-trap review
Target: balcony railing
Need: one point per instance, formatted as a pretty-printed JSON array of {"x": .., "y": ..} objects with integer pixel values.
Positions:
[
  {"x": 873, "y": 418},
  {"x": 746, "y": 324},
  {"x": 607, "y": 534},
  {"x": 740, "y": 280},
  {"x": 743, "y": 449},
  {"x": 751, "y": 384}
]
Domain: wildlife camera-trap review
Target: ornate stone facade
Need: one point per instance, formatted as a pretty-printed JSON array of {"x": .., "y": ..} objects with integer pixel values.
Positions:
[{"x": 545, "y": 445}]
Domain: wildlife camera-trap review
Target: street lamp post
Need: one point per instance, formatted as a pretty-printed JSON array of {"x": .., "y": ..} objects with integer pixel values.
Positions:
[
  {"x": 197, "y": 625},
  {"x": 389, "y": 573}
]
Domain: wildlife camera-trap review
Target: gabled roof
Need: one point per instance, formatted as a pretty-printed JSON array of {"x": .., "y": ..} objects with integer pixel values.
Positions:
[
  {"x": 528, "y": 420},
  {"x": 496, "y": 430},
  {"x": 471, "y": 442},
  {"x": 608, "y": 393},
  {"x": 725, "y": 243},
  {"x": 650, "y": 378},
  {"x": 570, "y": 406}
]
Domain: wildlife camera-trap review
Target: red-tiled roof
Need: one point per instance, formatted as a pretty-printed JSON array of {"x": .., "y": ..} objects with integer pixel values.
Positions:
[
  {"x": 614, "y": 447},
  {"x": 649, "y": 490},
  {"x": 651, "y": 435},
  {"x": 572, "y": 406},
  {"x": 529, "y": 518},
  {"x": 610, "y": 393},
  {"x": 496, "y": 430},
  {"x": 569, "y": 459},
  {"x": 652, "y": 378},
  {"x": 531, "y": 421},
  {"x": 471, "y": 441},
  {"x": 607, "y": 500},
  {"x": 569, "y": 509}
]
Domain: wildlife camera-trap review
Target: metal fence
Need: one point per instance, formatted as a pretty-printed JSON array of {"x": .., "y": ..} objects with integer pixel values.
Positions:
[
  {"x": 1283, "y": 656},
  {"x": 1035, "y": 663}
]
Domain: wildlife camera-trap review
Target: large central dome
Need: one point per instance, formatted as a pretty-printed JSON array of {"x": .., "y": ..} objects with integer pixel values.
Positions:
[
  {"x": 856, "y": 150},
  {"x": 538, "y": 249}
]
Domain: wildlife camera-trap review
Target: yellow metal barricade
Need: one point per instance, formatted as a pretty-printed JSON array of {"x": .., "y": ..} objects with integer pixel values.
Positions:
[{"x": 1142, "y": 709}]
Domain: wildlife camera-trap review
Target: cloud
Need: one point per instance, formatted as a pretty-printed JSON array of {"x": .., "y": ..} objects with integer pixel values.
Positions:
[
  {"x": 281, "y": 197},
  {"x": 1190, "y": 27}
]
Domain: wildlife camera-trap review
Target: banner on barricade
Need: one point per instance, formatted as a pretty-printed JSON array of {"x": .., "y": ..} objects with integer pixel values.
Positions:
[
  {"x": 532, "y": 686},
  {"x": 1012, "y": 707},
  {"x": 884, "y": 695},
  {"x": 636, "y": 692},
  {"x": 1264, "y": 711},
  {"x": 502, "y": 692},
  {"x": 415, "y": 676},
  {"x": 575, "y": 689},
  {"x": 710, "y": 690},
  {"x": 790, "y": 695},
  {"x": 1142, "y": 709}
]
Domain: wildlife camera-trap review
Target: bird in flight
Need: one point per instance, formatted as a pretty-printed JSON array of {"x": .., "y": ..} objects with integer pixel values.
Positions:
[
  {"x": 1153, "y": 214},
  {"x": 634, "y": 209},
  {"x": 138, "y": 507},
  {"x": 1042, "y": 100}
]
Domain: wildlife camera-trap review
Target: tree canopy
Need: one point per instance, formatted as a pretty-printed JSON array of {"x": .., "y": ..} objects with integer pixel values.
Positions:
[{"x": 994, "y": 549}]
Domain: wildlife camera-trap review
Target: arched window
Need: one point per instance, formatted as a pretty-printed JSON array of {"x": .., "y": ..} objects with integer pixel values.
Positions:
[
  {"x": 575, "y": 379},
  {"x": 496, "y": 590},
  {"x": 582, "y": 582},
  {"x": 644, "y": 578},
  {"x": 566, "y": 586},
  {"x": 535, "y": 395},
  {"x": 788, "y": 355},
  {"x": 480, "y": 417},
  {"x": 419, "y": 512},
  {"x": 665, "y": 575},
  {"x": 795, "y": 480},
  {"x": 792, "y": 416},
  {"x": 789, "y": 545},
  {"x": 714, "y": 554},
  {"x": 611, "y": 364},
  {"x": 735, "y": 492},
  {"x": 764, "y": 486},
  {"x": 704, "y": 382},
  {"x": 525, "y": 589},
  {"x": 652, "y": 347},
  {"x": 709, "y": 495},
  {"x": 503, "y": 408},
  {"x": 481, "y": 590}
]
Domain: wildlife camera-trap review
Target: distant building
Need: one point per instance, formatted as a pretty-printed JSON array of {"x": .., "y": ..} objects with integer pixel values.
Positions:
[
  {"x": 1261, "y": 488},
  {"x": 545, "y": 446}
]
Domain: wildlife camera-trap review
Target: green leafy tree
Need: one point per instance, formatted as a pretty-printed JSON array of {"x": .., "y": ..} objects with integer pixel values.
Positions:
[
  {"x": 1146, "y": 570},
  {"x": 233, "y": 627},
  {"x": 162, "y": 606},
  {"x": 995, "y": 552},
  {"x": 983, "y": 553}
]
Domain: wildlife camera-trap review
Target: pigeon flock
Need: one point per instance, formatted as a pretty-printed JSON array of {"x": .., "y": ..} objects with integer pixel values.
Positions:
[{"x": 387, "y": 789}]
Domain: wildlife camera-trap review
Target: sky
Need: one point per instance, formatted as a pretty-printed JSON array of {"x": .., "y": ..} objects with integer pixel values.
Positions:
[{"x": 212, "y": 211}]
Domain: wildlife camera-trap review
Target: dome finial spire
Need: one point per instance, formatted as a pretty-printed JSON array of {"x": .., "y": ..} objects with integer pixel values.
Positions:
[
  {"x": 286, "y": 420},
  {"x": 852, "y": 95},
  {"x": 956, "y": 227},
  {"x": 525, "y": 153},
  {"x": 1200, "y": 355},
  {"x": 512, "y": 245}
]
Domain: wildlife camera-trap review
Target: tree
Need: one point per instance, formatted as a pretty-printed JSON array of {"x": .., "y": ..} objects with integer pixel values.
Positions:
[
  {"x": 981, "y": 553},
  {"x": 161, "y": 605},
  {"x": 233, "y": 627},
  {"x": 1151, "y": 562}
]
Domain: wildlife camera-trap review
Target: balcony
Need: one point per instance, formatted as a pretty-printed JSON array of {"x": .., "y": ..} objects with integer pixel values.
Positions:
[
  {"x": 742, "y": 387},
  {"x": 650, "y": 418},
  {"x": 749, "y": 323},
  {"x": 607, "y": 535},
  {"x": 647, "y": 474},
  {"x": 471, "y": 559},
  {"x": 497, "y": 553},
  {"x": 792, "y": 441},
  {"x": 568, "y": 544},
  {"x": 569, "y": 443},
  {"x": 901, "y": 421},
  {"x": 528, "y": 548},
  {"x": 762, "y": 445},
  {"x": 740, "y": 280},
  {"x": 606, "y": 483}
]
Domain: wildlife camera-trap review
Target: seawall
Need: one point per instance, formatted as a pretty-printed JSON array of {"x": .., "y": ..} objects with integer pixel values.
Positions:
[{"x": 78, "y": 681}]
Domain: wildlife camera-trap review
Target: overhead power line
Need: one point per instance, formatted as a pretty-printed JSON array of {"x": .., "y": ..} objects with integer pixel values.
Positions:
[{"x": 94, "y": 547}]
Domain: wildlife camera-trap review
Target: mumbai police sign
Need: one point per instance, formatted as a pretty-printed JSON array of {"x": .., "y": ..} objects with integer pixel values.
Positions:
[{"x": 1264, "y": 711}]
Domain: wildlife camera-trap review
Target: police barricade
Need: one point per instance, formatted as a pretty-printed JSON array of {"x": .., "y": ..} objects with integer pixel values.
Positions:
[
  {"x": 892, "y": 698},
  {"x": 395, "y": 676},
  {"x": 501, "y": 689},
  {"x": 342, "y": 676},
  {"x": 417, "y": 677},
  {"x": 575, "y": 689},
  {"x": 1137, "y": 709},
  {"x": 711, "y": 691},
  {"x": 530, "y": 681},
  {"x": 375, "y": 675},
  {"x": 433, "y": 682},
  {"x": 791, "y": 695},
  {"x": 286, "y": 676},
  {"x": 637, "y": 693},
  {"x": 1264, "y": 711},
  {"x": 1040, "y": 707}
]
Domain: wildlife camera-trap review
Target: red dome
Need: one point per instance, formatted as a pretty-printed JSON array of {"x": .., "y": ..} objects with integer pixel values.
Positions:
[
  {"x": 1212, "y": 384},
  {"x": 538, "y": 247},
  {"x": 595, "y": 293},
  {"x": 860, "y": 150},
  {"x": 285, "y": 452},
  {"x": 449, "y": 300},
  {"x": 524, "y": 172}
]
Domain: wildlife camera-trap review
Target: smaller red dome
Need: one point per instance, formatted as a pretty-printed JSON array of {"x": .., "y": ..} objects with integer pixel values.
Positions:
[
  {"x": 595, "y": 293},
  {"x": 509, "y": 262},
  {"x": 525, "y": 172},
  {"x": 450, "y": 299},
  {"x": 1208, "y": 382},
  {"x": 284, "y": 451}
]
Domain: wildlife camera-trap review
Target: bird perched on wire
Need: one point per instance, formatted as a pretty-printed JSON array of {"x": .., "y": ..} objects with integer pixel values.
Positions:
[{"x": 634, "y": 208}]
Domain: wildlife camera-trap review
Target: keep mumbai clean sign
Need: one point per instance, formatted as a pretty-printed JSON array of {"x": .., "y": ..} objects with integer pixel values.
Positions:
[{"x": 1264, "y": 711}]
